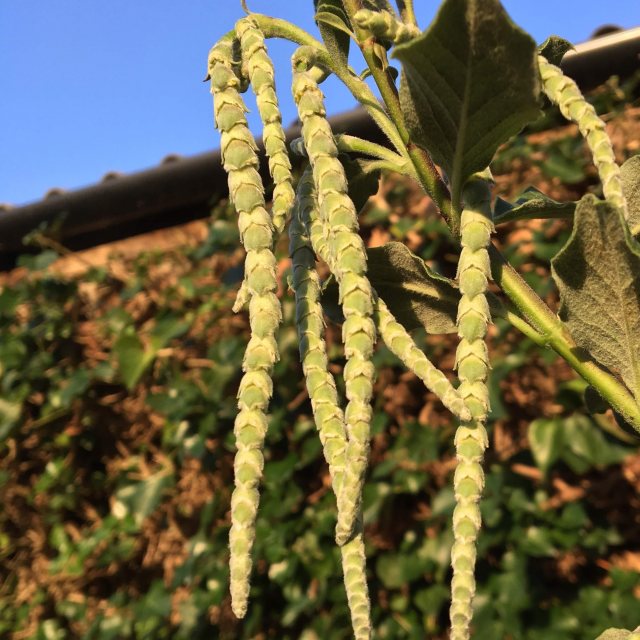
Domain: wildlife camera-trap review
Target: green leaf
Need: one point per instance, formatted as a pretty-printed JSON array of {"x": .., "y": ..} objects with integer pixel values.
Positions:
[
  {"x": 165, "y": 330},
  {"x": 585, "y": 440},
  {"x": 531, "y": 205},
  {"x": 469, "y": 83},
  {"x": 546, "y": 440},
  {"x": 554, "y": 48},
  {"x": 132, "y": 358},
  {"x": 10, "y": 413},
  {"x": 141, "y": 498},
  {"x": 38, "y": 262},
  {"x": 598, "y": 275},
  {"x": 362, "y": 177},
  {"x": 630, "y": 171},
  {"x": 335, "y": 28}
]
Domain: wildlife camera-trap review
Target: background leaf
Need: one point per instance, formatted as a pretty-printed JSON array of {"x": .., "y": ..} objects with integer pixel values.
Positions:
[
  {"x": 598, "y": 275},
  {"x": 469, "y": 83},
  {"x": 546, "y": 440}
]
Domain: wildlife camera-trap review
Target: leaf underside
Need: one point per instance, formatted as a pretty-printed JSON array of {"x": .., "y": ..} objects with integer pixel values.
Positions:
[
  {"x": 334, "y": 27},
  {"x": 532, "y": 204},
  {"x": 630, "y": 171},
  {"x": 469, "y": 83},
  {"x": 598, "y": 275}
]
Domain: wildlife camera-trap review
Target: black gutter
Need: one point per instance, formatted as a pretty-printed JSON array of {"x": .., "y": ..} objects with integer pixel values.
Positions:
[
  {"x": 175, "y": 192},
  {"x": 184, "y": 189}
]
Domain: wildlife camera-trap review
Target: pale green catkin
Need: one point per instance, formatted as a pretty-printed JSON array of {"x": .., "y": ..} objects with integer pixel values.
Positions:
[
  {"x": 564, "y": 92},
  {"x": 256, "y": 232},
  {"x": 321, "y": 386},
  {"x": 400, "y": 343},
  {"x": 259, "y": 68},
  {"x": 398, "y": 339},
  {"x": 472, "y": 361},
  {"x": 350, "y": 259},
  {"x": 386, "y": 26}
]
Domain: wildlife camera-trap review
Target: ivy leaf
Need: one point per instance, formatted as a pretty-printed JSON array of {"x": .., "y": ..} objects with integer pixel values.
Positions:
[
  {"x": 141, "y": 498},
  {"x": 630, "y": 171},
  {"x": 546, "y": 439},
  {"x": 554, "y": 48},
  {"x": 531, "y": 205},
  {"x": 132, "y": 358},
  {"x": 469, "y": 83},
  {"x": 598, "y": 275},
  {"x": 335, "y": 28},
  {"x": 132, "y": 355}
]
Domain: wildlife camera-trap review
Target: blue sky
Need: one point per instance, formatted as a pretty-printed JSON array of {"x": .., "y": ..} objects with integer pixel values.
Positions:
[{"x": 90, "y": 87}]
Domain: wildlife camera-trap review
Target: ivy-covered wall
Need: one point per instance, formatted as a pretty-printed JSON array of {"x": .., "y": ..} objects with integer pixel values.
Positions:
[{"x": 117, "y": 400}]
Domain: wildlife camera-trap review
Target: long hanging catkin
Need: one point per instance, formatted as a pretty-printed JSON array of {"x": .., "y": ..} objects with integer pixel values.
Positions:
[
  {"x": 323, "y": 394},
  {"x": 349, "y": 256},
  {"x": 472, "y": 361},
  {"x": 261, "y": 73},
  {"x": 256, "y": 232},
  {"x": 564, "y": 92},
  {"x": 400, "y": 343}
]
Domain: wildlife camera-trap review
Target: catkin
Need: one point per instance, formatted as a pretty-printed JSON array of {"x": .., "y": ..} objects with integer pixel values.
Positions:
[
  {"x": 259, "y": 287},
  {"x": 386, "y": 26},
  {"x": 564, "y": 92},
  {"x": 472, "y": 362},
  {"x": 262, "y": 77},
  {"x": 400, "y": 343},
  {"x": 348, "y": 254},
  {"x": 323, "y": 394}
]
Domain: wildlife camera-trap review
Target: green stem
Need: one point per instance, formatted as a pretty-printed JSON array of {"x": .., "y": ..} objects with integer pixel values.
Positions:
[
  {"x": 429, "y": 177},
  {"x": 558, "y": 338},
  {"x": 353, "y": 144}
]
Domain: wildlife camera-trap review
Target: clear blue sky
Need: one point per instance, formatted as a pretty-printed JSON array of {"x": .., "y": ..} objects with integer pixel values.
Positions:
[{"x": 91, "y": 86}]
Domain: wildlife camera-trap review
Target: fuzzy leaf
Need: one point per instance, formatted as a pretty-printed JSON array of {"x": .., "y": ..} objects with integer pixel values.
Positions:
[
  {"x": 334, "y": 27},
  {"x": 532, "y": 204},
  {"x": 631, "y": 186},
  {"x": 469, "y": 83},
  {"x": 362, "y": 180},
  {"x": 598, "y": 275},
  {"x": 554, "y": 48},
  {"x": 416, "y": 295}
]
